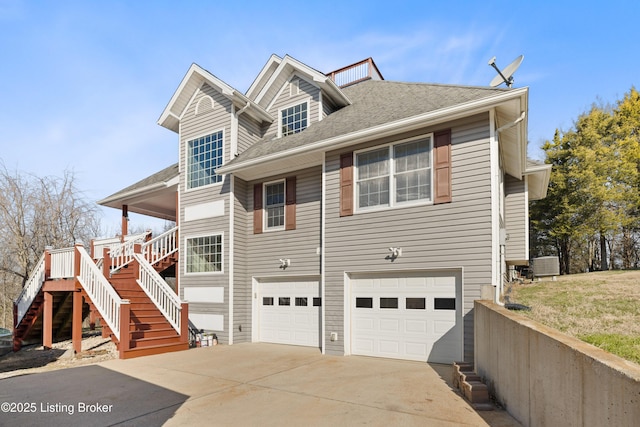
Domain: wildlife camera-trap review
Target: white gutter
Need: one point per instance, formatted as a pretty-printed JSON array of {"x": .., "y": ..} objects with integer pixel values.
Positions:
[{"x": 383, "y": 130}]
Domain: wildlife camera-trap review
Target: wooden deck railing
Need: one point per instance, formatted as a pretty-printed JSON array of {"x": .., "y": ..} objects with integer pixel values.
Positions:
[{"x": 62, "y": 263}]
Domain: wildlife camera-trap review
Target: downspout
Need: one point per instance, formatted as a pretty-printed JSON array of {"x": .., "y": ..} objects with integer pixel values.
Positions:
[
  {"x": 495, "y": 206},
  {"x": 234, "y": 149},
  {"x": 501, "y": 246}
]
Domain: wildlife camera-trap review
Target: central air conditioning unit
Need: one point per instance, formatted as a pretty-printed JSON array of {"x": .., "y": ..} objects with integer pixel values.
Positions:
[{"x": 546, "y": 266}]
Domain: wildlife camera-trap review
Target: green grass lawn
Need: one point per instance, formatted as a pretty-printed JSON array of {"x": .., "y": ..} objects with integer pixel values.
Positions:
[{"x": 601, "y": 308}]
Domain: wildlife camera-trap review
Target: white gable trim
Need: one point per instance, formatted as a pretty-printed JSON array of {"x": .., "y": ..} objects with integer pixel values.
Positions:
[
  {"x": 254, "y": 86},
  {"x": 302, "y": 70},
  {"x": 195, "y": 77}
]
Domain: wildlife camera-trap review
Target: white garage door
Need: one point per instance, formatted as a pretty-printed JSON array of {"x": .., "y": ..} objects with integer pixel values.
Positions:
[
  {"x": 290, "y": 312},
  {"x": 410, "y": 316}
]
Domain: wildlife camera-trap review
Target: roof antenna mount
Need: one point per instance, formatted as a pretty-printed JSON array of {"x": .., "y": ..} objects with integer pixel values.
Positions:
[{"x": 505, "y": 76}]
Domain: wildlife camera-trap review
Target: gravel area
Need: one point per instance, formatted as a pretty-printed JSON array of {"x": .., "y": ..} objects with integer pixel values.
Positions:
[{"x": 34, "y": 358}]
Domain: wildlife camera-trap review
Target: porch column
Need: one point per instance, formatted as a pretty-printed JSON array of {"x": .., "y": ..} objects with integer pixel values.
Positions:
[
  {"x": 125, "y": 221},
  {"x": 47, "y": 321},
  {"x": 76, "y": 322}
]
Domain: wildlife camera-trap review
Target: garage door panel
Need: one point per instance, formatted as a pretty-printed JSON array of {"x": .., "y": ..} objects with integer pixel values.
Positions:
[
  {"x": 390, "y": 325},
  {"x": 287, "y": 314},
  {"x": 398, "y": 319},
  {"x": 389, "y": 283},
  {"x": 415, "y": 326},
  {"x": 416, "y": 349},
  {"x": 389, "y": 347}
]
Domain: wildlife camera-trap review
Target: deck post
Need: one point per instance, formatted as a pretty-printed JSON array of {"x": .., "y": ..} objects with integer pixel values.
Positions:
[
  {"x": 125, "y": 222},
  {"x": 184, "y": 322},
  {"x": 106, "y": 262},
  {"x": 92, "y": 319},
  {"x": 76, "y": 322},
  {"x": 125, "y": 315},
  {"x": 17, "y": 342},
  {"x": 47, "y": 262},
  {"x": 47, "y": 321},
  {"x": 76, "y": 259}
]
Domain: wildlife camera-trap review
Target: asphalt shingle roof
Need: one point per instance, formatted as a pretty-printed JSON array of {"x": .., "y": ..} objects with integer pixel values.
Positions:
[
  {"x": 374, "y": 103},
  {"x": 164, "y": 175}
]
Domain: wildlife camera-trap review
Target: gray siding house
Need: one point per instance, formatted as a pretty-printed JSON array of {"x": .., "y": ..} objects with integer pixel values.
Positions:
[{"x": 343, "y": 211}]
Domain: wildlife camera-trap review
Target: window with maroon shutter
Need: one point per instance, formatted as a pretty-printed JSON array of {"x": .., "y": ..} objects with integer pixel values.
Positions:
[
  {"x": 290, "y": 208},
  {"x": 442, "y": 166},
  {"x": 346, "y": 184},
  {"x": 257, "y": 208}
]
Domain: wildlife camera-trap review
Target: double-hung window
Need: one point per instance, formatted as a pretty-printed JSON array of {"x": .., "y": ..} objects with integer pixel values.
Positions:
[
  {"x": 293, "y": 119},
  {"x": 204, "y": 156},
  {"x": 395, "y": 174},
  {"x": 274, "y": 196},
  {"x": 204, "y": 254}
]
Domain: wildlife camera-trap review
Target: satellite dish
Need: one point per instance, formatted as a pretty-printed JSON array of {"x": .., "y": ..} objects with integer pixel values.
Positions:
[{"x": 505, "y": 76}]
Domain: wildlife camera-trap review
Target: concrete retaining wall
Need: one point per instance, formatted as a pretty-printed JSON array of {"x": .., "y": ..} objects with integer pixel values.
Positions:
[{"x": 546, "y": 378}]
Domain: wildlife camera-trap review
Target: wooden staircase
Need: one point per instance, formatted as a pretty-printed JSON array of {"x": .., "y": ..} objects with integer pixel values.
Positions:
[
  {"x": 149, "y": 331},
  {"x": 68, "y": 284}
]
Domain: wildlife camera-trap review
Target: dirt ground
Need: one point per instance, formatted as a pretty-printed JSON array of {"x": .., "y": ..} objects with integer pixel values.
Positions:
[{"x": 34, "y": 358}]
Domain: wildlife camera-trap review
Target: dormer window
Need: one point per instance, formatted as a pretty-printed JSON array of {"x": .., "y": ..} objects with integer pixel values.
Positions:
[{"x": 294, "y": 119}]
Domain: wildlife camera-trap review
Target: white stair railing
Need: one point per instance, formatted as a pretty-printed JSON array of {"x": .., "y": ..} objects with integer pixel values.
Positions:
[
  {"x": 112, "y": 243},
  {"x": 30, "y": 290},
  {"x": 159, "y": 292},
  {"x": 160, "y": 247},
  {"x": 102, "y": 295}
]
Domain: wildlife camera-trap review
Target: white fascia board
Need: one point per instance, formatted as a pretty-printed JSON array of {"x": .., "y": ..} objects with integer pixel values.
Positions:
[
  {"x": 315, "y": 76},
  {"x": 133, "y": 193},
  {"x": 168, "y": 109},
  {"x": 524, "y": 128},
  {"x": 387, "y": 129},
  {"x": 274, "y": 59},
  {"x": 201, "y": 76}
]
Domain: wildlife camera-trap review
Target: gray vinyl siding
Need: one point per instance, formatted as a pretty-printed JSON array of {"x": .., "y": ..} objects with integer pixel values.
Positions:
[
  {"x": 452, "y": 235},
  {"x": 308, "y": 92},
  {"x": 192, "y": 126},
  {"x": 516, "y": 221},
  {"x": 241, "y": 281},
  {"x": 299, "y": 245},
  {"x": 249, "y": 131},
  {"x": 328, "y": 106}
]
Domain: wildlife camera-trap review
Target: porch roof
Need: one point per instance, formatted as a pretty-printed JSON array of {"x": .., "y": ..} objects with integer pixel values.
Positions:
[{"x": 154, "y": 195}]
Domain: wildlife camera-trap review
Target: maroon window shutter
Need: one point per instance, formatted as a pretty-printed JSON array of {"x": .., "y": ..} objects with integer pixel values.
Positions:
[
  {"x": 346, "y": 184},
  {"x": 257, "y": 208},
  {"x": 442, "y": 165},
  {"x": 290, "y": 206}
]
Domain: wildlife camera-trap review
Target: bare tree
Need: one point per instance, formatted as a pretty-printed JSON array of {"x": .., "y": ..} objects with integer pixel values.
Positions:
[{"x": 36, "y": 212}]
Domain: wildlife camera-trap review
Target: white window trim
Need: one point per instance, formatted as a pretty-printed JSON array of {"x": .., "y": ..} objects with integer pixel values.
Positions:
[
  {"x": 294, "y": 104},
  {"x": 265, "y": 218},
  {"x": 186, "y": 160},
  {"x": 206, "y": 273},
  {"x": 392, "y": 188}
]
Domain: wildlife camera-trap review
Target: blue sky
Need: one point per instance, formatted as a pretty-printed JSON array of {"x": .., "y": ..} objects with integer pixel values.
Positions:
[{"x": 82, "y": 83}]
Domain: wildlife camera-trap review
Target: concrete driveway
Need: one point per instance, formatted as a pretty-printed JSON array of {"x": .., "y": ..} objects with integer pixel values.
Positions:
[{"x": 245, "y": 385}]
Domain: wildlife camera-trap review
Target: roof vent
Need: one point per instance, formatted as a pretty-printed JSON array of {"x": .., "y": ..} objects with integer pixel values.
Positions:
[{"x": 356, "y": 73}]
